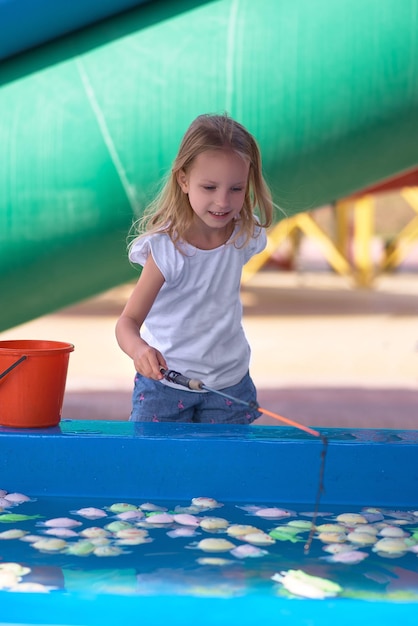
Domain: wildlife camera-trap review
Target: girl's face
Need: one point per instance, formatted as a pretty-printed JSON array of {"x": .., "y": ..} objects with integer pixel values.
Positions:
[{"x": 216, "y": 184}]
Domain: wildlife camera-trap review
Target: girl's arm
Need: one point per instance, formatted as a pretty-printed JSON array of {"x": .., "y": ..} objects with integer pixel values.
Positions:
[{"x": 147, "y": 360}]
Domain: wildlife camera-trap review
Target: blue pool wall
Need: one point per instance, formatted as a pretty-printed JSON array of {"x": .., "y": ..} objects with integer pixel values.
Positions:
[
  {"x": 230, "y": 463},
  {"x": 237, "y": 463}
]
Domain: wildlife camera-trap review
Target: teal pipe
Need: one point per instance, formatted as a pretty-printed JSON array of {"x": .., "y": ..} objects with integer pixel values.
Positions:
[
  {"x": 89, "y": 124},
  {"x": 26, "y": 24}
]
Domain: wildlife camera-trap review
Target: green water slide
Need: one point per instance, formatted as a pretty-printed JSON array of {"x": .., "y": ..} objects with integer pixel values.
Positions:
[{"x": 90, "y": 120}]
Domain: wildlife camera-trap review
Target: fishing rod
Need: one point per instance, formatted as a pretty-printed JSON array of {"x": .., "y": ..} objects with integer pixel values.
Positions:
[{"x": 198, "y": 385}]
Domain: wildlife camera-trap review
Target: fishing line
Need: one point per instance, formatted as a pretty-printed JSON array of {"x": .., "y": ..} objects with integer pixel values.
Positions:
[
  {"x": 198, "y": 385},
  {"x": 320, "y": 491}
]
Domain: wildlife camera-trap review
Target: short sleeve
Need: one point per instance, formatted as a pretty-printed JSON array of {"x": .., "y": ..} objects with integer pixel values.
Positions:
[
  {"x": 256, "y": 244},
  {"x": 168, "y": 259}
]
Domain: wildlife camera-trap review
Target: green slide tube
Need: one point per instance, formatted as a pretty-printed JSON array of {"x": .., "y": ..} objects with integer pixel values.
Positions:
[{"x": 90, "y": 123}]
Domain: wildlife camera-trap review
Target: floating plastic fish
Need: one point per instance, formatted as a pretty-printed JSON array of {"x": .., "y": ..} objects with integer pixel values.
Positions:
[
  {"x": 336, "y": 548},
  {"x": 250, "y": 508},
  {"x": 50, "y": 545},
  {"x": 120, "y": 507},
  {"x": 267, "y": 512},
  {"x": 131, "y": 516},
  {"x": 132, "y": 537},
  {"x": 301, "y": 524},
  {"x": 274, "y": 513},
  {"x": 318, "y": 514},
  {"x": 185, "y": 519},
  {"x": 215, "y": 545},
  {"x": 188, "y": 510},
  {"x": 350, "y": 557},
  {"x": 149, "y": 506},
  {"x": 6, "y": 518},
  {"x": 160, "y": 518},
  {"x": 90, "y": 512},
  {"x": 61, "y": 522},
  {"x": 238, "y": 530},
  {"x": 332, "y": 537},
  {"x": 133, "y": 541},
  {"x": 31, "y": 538},
  {"x": 285, "y": 533},
  {"x": 81, "y": 548},
  {"x": 17, "y": 498},
  {"x": 13, "y": 533},
  {"x": 184, "y": 531},
  {"x": 214, "y": 523},
  {"x": 94, "y": 531},
  {"x": 8, "y": 579},
  {"x": 259, "y": 539},
  {"x": 217, "y": 561},
  {"x": 206, "y": 503},
  {"x": 106, "y": 551},
  {"x": 301, "y": 584},
  {"x": 126, "y": 533},
  {"x": 331, "y": 528},
  {"x": 113, "y": 527},
  {"x": 362, "y": 539},
  {"x": 366, "y": 528},
  {"x": 99, "y": 541},
  {"x": 61, "y": 532},
  {"x": 390, "y": 547},
  {"x": 248, "y": 551},
  {"x": 404, "y": 515},
  {"x": 372, "y": 515},
  {"x": 15, "y": 568},
  {"x": 11, "y": 574},
  {"x": 351, "y": 519},
  {"x": 393, "y": 531}
]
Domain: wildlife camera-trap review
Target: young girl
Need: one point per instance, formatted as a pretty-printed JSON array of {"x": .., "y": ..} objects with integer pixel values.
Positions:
[{"x": 185, "y": 311}]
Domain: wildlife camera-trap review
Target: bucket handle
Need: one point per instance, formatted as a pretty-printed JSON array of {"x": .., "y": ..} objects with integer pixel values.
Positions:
[{"x": 12, "y": 366}]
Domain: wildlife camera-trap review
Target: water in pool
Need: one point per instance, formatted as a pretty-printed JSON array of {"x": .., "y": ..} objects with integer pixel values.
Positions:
[{"x": 204, "y": 547}]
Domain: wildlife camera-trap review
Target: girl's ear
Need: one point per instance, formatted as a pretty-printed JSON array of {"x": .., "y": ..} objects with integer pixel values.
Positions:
[{"x": 182, "y": 181}]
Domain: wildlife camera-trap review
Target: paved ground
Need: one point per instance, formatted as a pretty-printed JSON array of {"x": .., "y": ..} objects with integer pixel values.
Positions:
[{"x": 324, "y": 354}]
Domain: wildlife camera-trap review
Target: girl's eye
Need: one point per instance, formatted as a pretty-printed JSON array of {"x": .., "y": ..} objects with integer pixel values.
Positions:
[{"x": 213, "y": 187}]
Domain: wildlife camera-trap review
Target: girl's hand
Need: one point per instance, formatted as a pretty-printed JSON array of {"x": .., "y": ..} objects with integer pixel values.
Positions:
[{"x": 148, "y": 361}]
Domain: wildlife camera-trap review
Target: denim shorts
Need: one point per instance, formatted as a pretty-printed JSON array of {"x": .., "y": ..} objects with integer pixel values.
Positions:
[{"x": 152, "y": 401}]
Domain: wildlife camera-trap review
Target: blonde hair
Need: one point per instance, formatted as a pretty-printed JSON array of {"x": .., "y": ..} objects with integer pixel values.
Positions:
[{"x": 170, "y": 212}]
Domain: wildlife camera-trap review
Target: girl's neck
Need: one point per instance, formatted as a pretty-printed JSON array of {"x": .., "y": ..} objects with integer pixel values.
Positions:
[{"x": 205, "y": 238}]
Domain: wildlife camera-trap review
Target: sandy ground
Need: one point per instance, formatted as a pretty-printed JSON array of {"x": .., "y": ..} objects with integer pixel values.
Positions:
[{"x": 323, "y": 353}]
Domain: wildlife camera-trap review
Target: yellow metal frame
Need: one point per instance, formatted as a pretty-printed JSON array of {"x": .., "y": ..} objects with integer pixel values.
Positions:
[
  {"x": 285, "y": 229},
  {"x": 351, "y": 252},
  {"x": 355, "y": 227},
  {"x": 398, "y": 248}
]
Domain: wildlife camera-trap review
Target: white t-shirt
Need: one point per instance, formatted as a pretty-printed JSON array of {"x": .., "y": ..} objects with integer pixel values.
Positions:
[{"x": 195, "y": 321}]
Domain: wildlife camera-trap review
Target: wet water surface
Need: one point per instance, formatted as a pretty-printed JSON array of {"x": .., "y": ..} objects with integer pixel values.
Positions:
[{"x": 206, "y": 548}]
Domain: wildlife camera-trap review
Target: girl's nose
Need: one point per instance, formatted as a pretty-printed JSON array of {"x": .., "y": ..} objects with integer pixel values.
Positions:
[{"x": 222, "y": 199}]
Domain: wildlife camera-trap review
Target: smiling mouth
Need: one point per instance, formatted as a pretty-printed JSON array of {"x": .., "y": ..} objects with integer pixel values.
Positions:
[{"x": 219, "y": 214}]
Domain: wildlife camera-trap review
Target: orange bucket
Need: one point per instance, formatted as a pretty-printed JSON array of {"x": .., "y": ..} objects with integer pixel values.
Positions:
[{"x": 33, "y": 375}]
